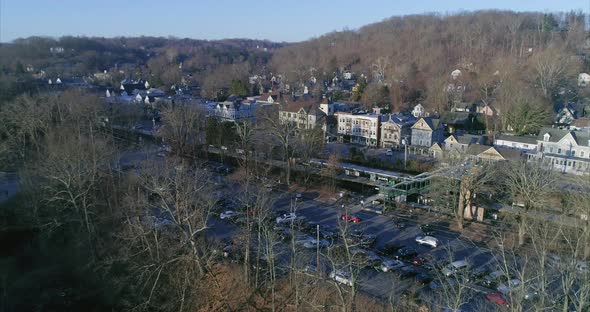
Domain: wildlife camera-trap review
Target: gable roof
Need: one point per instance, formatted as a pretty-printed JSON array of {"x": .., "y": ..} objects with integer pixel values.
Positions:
[
  {"x": 432, "y": 123},
  {"x": 502, "y": 153},
  {"x": 436, "y": 147},
  {"x": 455, "y": 118},
  {"x": 556, "y": 135},
  {"x": 470, "y": 139},
  {"x": 309, "y": 106},
  {"x": 400, "y": 120}
]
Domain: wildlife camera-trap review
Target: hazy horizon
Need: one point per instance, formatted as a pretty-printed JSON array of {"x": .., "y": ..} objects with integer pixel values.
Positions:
[{"x": 292, "y": 21}]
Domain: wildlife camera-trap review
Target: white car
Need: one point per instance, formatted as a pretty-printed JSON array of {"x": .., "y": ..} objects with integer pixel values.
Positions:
[
  {"x": 286, "y": 217},
  {"x": 341, "y": 277},
  {"x": 427, "y": 240},
  {"x": 454, "y": 267},
  {"x": 391, "y": 265},
  {"x": 314, "y": 243},
  {"x": 229, "y": 214},
  {"x": 389, "y": 153},
  {"x": 508, "y": 287}
]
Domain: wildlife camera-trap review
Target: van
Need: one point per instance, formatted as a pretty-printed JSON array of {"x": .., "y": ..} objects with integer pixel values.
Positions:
[{"x": 455, "y": 267}]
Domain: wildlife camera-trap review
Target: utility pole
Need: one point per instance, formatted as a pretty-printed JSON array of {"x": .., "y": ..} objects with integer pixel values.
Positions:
[
  {"x": 405, "y": 143},
  {"x": 317, "y": 240}
]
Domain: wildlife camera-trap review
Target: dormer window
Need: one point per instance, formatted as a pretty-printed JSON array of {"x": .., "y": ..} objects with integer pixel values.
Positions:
[{"x": 546, "y": 137}]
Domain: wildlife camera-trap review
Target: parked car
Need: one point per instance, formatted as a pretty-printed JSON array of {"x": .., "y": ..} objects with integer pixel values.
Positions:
[
  {"x": 303, "y": 239},
  {"x": 389, "y": 153},
  {"x": 341, "y": 277},
  {"x": 491, "y": 280},
  {"x": 427, "y": 229},
  {"x": 367, "y": 240},
  {"x": 506, "y": 288},
  {"x": 286, "y": 217},
  {"x": 373, "y": 259},
  {"x": 419, "y": 260},
  {"x": 406, "y": 253},
  {"x": 454, "y": 267},
  {"x": 399, "y": 224},
  {"x": 388, "y": 249},
  {"x": 350, "y": 218},
  {"x": 328, "y": 233},
  {"x": 230, "y": 214},
  {"x": 423, "y": 278},
  {"x": 498, "y": 299},
  {"x": 427, "y": 240},
  {"x": 298, "y": 197},
  {"x": 283, "y": 232},
  {"x": 391, "y": 265},
  {"x": 479, "y": 273},
  {"x": 407, "y": 272},
  {"x": 314, "y": 243},
  {"x": 373, "y": 209}
]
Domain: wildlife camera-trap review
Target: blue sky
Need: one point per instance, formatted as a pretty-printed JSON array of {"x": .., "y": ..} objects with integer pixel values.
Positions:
[{"x": 278, "y": 20}]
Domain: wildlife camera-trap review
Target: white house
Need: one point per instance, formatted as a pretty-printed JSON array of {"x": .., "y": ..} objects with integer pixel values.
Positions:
[
  {"x": 523, "y": 143},
  {"x": 455, "y": 74},
  {"x": 564, "y": 150},
  {"x": 583, "y": 80},
  {"x": 418, "y": 111}
]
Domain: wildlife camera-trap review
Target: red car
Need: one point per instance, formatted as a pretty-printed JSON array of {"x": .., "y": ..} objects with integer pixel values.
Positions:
[
  {"x": 419, "y": 260},
  {"x": 497, "y": 298},
  {"x": 349, "y": 218}
]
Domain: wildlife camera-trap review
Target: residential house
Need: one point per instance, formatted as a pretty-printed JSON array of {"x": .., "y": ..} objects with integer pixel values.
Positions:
[
  {"x": 235, "y": 110},
  {"x": 564, "y": 150},
  {"x": 463, "y": 107},
  {"x": 484, "y": 109},
  {"x": 567, "y": 113},
  {"x": 360, "y": 129},
  {"x": 484, "y": 153},
  {"x": 427, "y": 131},
  {"x": 453, "y": 121},
  {"x": 269, "y": 98},
  {"x": 394, "y": 128},
  {"x": 458, "y": 144},
  {"x": 583, "y": 80},
  {"x": 418, "y": 111},
  {"x": 524, "y": 143},
  {"x": 581, "y": 124},
  {"x": 304, "y": 114}
]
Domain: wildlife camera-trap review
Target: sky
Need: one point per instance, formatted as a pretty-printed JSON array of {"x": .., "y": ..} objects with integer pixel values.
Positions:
[{"x": 277, "y": 20}]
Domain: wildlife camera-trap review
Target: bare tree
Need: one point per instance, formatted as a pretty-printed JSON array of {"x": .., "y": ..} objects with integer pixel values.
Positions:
[
  {"x": 528, "y": 186},
  {"x": 284, "y": 135},
  {"x": 182, "y": 129}
]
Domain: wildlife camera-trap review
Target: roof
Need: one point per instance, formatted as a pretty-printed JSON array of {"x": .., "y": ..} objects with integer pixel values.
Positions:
[
  {"x": 455, "y": 118},
  {"x": 555, "y": 135},
  {"x": 433, "y": 123},
  {"x": 469, "y": 139},
  {"x": 506, "y": 153},
  {"x": 399, "y": 119},
  {"x": 527, "y": 139},
  {"x": 581, "y": 123},
  {"x": 309, "y": 105}
]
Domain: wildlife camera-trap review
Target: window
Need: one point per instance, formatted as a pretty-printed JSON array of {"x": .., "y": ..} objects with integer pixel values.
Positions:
[
  {"x": 551, "y": 150},
  {"x": 573, "y": 153},
  {"x": 582, "y": 154},
  {"x": 559, "y": 151}
]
